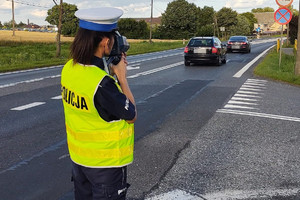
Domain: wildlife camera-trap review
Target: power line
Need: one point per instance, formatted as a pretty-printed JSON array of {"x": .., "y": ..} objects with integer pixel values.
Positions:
[{"x": 29, "y": 4}]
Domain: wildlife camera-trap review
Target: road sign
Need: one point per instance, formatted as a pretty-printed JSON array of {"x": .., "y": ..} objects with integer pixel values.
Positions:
[
  {"x": 284, "y": 3},
  {"x": 283, "y": 16}
]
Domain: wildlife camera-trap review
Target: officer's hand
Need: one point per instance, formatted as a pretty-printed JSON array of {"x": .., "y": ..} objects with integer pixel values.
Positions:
[{"x": 120, "y": 70}]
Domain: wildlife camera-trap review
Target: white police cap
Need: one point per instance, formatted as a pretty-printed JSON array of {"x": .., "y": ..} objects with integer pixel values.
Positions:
[{"x": 99, "y": 19}]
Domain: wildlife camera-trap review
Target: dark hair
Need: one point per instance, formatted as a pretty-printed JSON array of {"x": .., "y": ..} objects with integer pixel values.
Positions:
[{"x": 86, "y": 43}]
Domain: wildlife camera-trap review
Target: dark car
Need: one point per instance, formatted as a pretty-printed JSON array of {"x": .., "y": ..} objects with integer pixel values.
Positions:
[
  {"x": 205, "y": 49},
  {"x": 239, "y": 43}
]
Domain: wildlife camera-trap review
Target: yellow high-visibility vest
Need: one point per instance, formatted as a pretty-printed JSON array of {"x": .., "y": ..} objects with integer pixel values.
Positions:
[{"x": 92, "y": 141}]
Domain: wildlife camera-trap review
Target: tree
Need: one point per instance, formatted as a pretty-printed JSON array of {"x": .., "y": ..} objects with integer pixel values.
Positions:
[
  {"x": 242, "y": 27},
  {"x": 206, "y": 30},
  {"x": 8, "y": 24},
  {"x": 21, "y": 25},
  {"x": 266, "y": 9},
  {"x": 206, "y": 16},
  {"x": 133, "y": 29},
  {"x": 205, "y": 25},
  {"x": 257, "y": 10},
  {"x": 293, "y": 29},
  {"x": 227, "y": 18},
  {"x": 179, "y": 20},
  {"x": 143, "y": 30},
  {"x": 69, "y": 21},
  {"x": 251, "y": 19}
]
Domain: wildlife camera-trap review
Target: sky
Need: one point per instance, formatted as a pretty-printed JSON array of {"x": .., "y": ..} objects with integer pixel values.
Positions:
[{"x": 36, "y": 10}]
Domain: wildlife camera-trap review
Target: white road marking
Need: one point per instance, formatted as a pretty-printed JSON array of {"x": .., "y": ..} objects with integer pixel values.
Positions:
[
  {"x": 64, "y": 156},
  {"x": 241, "y": 102},
  {"x": 57, "y": 97},
  {"x": 250, "y": 88},
  {"x": 239, "y": 107},
  {"x": 175, "y": 195},
  {"x": 226, "y": 194},
  {"x": 255, "y": 84},
  {"x": 31, "y": 105},
  {"x": 245, "y": 95},
  {"x": 246, "y": 92},
  {"x": 243, "y": 99},
  {"x": 134, "y": 66},
  {"x": 28, "y": 81},
  {"x": 256, "y": 114},
  {"x": 246, "y": 67},
  {"x": 30, "y": 70},
  {"x": 247, "y": 85},
  {"x": 156, "y": 70},
  {"x": 256, "y": 80},
  {"x": 251, "y": 194},
  {"x": 41, "y": 153},
  {"x": 157, "y": 57}
]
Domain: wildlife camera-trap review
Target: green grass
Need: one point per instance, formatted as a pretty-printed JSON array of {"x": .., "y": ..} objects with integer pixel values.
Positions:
[
  {"x": 269, "y": 68},
  {"x": 27, "y": 55}
]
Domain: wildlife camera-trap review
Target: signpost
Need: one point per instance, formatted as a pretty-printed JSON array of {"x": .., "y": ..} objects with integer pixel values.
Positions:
[
  {"x": 283, "y": 16},
  {"x": 284, "y": 3}
]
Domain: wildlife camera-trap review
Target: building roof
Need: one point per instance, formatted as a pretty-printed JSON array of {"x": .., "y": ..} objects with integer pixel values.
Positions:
[{"x": 265, "y": 18}]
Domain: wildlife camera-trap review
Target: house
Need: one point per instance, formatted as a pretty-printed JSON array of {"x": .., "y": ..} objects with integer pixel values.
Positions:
[{"x": 267, "y": 23}]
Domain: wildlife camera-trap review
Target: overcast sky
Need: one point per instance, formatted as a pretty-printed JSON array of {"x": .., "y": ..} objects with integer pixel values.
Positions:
[{"x": 36, "y": 10}]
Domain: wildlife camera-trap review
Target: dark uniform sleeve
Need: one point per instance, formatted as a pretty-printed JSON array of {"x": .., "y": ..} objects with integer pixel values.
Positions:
[{"x": 111, "y": 104}]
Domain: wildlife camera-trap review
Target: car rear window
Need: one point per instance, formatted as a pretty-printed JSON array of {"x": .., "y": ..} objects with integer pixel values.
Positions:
[
  {"x": 237, "y": 39},
  {"x": 200, "y": 43}
]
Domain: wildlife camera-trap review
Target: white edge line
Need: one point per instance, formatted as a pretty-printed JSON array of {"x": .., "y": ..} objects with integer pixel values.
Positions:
[
  {"x": 30, "y": 70},
  {"x": 246, "y": 67}
]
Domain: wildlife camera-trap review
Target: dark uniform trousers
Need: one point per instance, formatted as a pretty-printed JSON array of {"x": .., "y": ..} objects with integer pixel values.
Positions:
[{"x": 99, "y": 183}]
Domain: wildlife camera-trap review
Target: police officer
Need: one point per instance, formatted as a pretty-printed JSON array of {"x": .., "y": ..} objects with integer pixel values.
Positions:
[{"x": 99, "y": 110}]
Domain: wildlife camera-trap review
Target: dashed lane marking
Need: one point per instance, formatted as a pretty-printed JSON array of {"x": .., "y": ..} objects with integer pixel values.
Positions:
[
  {"x": 31, "y": 105},
  {"x": 57, "y": 97},
  {"x": 156, "y": 70}
]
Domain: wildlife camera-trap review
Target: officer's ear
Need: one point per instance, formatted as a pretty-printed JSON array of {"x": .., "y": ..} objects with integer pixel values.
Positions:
[{"x": 104, "y": 43}]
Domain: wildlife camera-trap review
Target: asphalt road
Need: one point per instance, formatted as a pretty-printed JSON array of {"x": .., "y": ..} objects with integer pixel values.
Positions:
[{"x": 198, "y": 136}]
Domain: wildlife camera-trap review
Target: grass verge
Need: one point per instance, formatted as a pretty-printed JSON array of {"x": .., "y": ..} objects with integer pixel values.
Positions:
[
  {"x": 27, "y": 55},
  {"x": 269, "y": 68}
]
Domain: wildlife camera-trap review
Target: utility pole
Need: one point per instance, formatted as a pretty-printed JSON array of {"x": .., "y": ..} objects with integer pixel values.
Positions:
[
  {"x": 297, "y": 66},
  {"x": 58, "y": 45},
  {"x": 150, "y": 39},
  {"x": 216, "y": 21},
  {"x": 13, "y": 16}
]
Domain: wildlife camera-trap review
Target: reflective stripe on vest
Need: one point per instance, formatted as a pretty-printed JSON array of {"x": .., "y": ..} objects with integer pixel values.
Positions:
[{"x": 92, "y": 141}]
